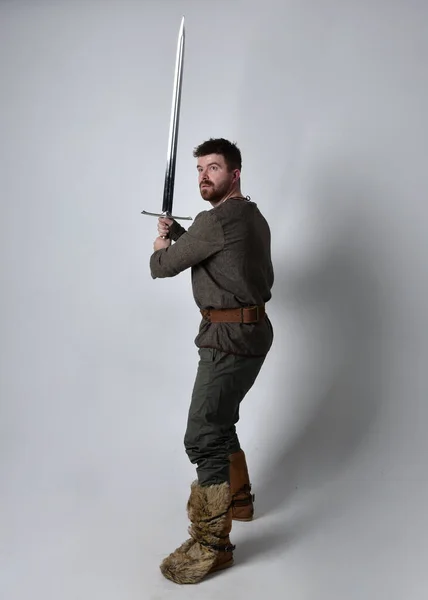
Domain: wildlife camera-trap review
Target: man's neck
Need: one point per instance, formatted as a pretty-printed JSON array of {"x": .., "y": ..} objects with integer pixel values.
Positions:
[{"x": 235, "y": 193}]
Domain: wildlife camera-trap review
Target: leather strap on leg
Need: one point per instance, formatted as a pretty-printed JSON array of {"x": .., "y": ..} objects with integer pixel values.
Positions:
[
  {"x": 243, "y": 497},
  {"x": 218, "y": 547}
]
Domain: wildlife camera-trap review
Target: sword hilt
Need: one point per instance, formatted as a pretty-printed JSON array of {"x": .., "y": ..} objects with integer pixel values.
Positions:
[{"x": 165, "y": 215}]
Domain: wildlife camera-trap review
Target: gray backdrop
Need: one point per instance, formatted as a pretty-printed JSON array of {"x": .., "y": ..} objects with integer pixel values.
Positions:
[{"x": 327, "y": 101}]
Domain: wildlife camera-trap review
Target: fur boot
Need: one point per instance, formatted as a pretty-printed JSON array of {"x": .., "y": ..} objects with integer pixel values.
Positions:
[
  {"x": 209, "y": 548},
  {"x": 240, "y": 487}
]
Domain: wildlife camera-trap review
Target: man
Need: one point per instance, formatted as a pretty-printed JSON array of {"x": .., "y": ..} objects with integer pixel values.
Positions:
[{"x": 228, "y": 248}]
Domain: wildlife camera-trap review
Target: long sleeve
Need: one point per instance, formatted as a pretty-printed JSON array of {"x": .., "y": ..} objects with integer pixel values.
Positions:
[
  {"x": 204, "y": 238},
  {"x": 176, "y": 231}
]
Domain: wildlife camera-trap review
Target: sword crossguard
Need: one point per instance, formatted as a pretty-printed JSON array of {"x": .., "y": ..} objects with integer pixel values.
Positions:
[{"x": 166, "y": 215}]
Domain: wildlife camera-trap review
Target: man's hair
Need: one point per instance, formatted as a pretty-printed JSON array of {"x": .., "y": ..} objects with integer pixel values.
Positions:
[{"x": 229, "y": 151}]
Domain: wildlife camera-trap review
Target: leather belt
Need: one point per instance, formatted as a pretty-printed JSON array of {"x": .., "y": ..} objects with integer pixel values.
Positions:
[{"x": 246, "y": 314}]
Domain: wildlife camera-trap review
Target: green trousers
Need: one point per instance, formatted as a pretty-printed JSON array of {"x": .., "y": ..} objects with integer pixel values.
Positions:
[{"x": 221, "y": 383}]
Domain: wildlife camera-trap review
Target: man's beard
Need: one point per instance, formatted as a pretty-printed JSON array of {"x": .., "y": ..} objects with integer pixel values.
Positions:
[{"x": 212, "y": 193}]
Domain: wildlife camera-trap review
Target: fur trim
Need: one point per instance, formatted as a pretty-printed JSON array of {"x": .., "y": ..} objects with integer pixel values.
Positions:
[{"x": 209, "y": 512}]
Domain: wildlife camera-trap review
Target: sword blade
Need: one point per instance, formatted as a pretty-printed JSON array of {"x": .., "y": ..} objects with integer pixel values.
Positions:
[{"x": 168, "y": 194}]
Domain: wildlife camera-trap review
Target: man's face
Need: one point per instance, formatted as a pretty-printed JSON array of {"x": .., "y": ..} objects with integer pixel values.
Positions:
[{"x": 215, "y": 180}]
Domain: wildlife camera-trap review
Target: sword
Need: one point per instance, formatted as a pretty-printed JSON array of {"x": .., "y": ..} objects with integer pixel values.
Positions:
[{"x": 168, "y": 193}]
